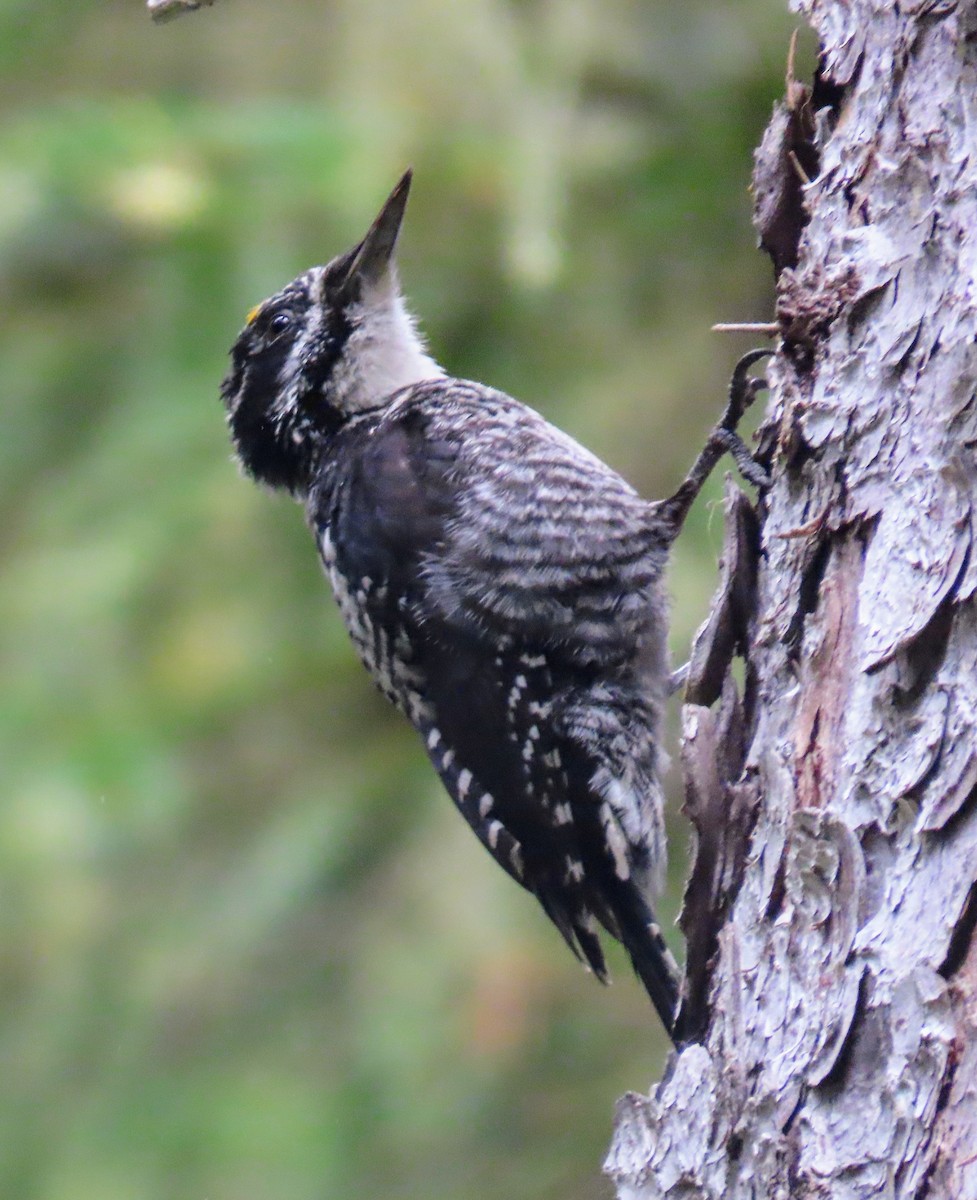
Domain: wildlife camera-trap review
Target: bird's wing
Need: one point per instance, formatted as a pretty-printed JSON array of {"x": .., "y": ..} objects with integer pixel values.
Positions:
[
  {"x": 480, "y": 566},
  {"x": 549, "y": 546},
  {"x": 499, "y": 526}
]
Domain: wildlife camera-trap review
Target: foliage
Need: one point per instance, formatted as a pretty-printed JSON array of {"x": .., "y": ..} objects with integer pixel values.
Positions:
[{"x": 247, "y": 949}]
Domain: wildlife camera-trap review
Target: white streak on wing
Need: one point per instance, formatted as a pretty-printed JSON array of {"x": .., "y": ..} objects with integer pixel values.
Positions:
[
  {"x": 533, "y": 660},
  {"x": 616, "y": 842}
]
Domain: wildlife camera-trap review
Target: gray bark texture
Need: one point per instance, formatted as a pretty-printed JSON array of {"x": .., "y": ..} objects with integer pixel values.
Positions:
[{"x": 830, "y": 1019}]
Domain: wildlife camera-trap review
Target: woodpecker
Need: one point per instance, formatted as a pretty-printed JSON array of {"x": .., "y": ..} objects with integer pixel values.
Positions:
[{"x": 503, "y": 587}]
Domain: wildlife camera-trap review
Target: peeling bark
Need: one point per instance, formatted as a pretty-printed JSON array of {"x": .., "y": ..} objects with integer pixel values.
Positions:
[{"x": 830, "y": 1020}]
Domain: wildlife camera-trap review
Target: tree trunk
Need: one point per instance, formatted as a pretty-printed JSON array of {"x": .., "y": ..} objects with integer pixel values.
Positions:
[{"x": 831, "y": 1015}]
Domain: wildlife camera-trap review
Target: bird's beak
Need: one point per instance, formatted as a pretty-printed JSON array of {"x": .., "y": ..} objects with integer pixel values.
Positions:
[{"x": 374, "y": 255}]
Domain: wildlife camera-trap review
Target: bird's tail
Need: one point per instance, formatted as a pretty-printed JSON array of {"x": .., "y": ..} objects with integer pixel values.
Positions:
[
  {"x": 579, "y": 931},
  {"x": 627, "y": 916},
  {"x": 651, "y": 958}
]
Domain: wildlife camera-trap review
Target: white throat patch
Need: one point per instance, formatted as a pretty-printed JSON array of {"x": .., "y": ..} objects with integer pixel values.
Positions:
[{"x": 384, "y": 352}]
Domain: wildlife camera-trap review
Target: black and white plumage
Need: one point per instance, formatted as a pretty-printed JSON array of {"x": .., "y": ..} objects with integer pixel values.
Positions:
[{"x": 502, "y": 586}]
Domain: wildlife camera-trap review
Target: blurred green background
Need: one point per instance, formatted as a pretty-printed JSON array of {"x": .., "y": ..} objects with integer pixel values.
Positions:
[{"x": 248, "y": 951}]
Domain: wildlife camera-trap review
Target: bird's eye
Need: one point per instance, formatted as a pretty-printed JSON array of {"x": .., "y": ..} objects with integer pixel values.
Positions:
[{"x": 280, "y": 322}]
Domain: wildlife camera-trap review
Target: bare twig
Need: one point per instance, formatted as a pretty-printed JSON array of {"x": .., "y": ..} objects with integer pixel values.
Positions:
[
  {"x": 767, "y": 327},
  {"x": 166, "y": 10}
]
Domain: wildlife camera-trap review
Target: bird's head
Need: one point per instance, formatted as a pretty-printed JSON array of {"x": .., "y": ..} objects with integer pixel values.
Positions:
[{"x": 334, "y": 342}]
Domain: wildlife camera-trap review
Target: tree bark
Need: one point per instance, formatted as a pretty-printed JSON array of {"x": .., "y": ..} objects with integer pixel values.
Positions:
[{"x": 831, "y": 1010}]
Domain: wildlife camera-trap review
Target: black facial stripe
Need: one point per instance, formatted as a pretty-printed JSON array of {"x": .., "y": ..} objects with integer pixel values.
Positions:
[{"x": 329, "y": 351}]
